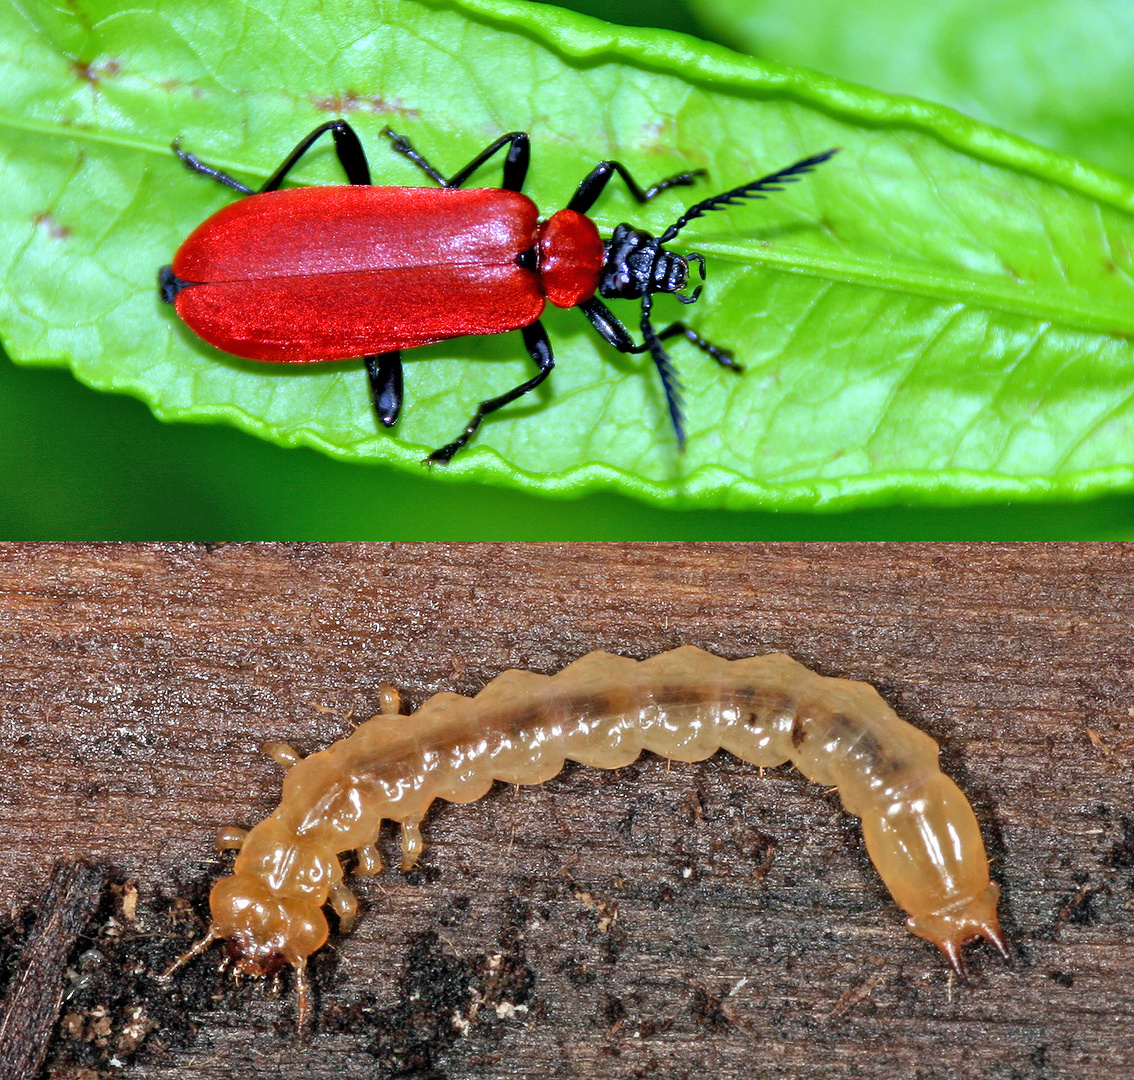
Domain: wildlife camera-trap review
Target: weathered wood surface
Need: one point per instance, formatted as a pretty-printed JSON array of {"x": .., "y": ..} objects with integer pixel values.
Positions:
[
  {"x": 698, "y": 920},
  {"x": 30, "y": 1009}
]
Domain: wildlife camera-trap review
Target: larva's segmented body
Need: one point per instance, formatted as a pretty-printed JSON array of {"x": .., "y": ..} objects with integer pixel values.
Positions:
[{"x": 604, "y": 710}]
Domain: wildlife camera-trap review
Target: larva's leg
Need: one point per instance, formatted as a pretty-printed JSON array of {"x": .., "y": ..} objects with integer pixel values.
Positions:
[
  {"x": 412, "y": 844},
  {"x": 390, "y": 700},
  {"x": 303, "y": 998},
  {"x": 194, "y": 950},
  {"x": 345, "y": 905},
  {"x": 282, "y": 754},
  {"x": 231, "y": 838},
  {"x": 369, "y": 861}
]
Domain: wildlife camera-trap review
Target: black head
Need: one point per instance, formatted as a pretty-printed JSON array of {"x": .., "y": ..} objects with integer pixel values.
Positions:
[{"x": 638, "y": 265}]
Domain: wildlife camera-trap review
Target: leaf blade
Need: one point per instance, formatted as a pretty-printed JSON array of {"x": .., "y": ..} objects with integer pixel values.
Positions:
[{"x": 832, "y": 292}]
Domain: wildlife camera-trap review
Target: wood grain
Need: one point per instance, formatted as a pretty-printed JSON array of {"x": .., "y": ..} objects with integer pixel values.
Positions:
[
  {"x": 30, "y": 1009},
  {"x": 674, "y": 922}
]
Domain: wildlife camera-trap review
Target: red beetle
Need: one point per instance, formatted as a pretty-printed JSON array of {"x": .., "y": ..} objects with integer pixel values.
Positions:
[{"x": 331, "y": 273}]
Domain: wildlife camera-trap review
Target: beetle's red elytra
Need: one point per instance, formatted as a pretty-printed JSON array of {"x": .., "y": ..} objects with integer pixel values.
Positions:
[{"x": 339, "y": 272}]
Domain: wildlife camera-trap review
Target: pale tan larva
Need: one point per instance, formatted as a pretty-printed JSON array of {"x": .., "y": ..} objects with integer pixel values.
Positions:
[{"x": 602, "y": 710}]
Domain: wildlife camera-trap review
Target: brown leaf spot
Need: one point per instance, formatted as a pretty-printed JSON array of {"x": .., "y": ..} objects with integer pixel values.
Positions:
[
  {"x": 52, "y": 227},
  {"x": 92, "y": 72},
  {"x": 348, "y": 101}
]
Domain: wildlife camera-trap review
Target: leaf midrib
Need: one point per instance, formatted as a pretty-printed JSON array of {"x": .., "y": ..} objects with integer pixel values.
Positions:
[{"x": 986, "y": 294}]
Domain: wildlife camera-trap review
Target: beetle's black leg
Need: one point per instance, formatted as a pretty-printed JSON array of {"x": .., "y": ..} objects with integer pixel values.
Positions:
[
  {"x": 191, "y": 161},
  {"x": 350, "y": 153},
  {"x": 609, "y": 326},
  {"x": 347, "y": 146},
  {"x": 721, "y": 356},
  {"x": 535, "y": 338},
  {"x": 613, "y": 331},
  {"x": 403, "y": 146},
  {"x": 515, "y": 164},
  {"x": 385, "y": 374},
  {"x": 592, "y": 187}
]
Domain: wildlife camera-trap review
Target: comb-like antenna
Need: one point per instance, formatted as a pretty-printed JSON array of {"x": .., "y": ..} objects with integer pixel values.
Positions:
[
  {"x": 670, "y": 382},
  {"x": 754, "y": 190}
]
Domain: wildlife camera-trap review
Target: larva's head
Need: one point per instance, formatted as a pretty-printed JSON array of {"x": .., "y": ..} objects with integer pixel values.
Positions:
[
  {"x": 261, "y": 930},
  {"x": 269, "y": 910}
]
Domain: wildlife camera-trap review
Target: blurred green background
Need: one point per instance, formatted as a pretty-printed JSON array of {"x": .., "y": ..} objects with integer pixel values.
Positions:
[{"x": 75, "y": 464}]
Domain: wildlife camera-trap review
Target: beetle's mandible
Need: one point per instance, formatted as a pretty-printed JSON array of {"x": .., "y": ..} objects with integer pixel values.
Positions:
[{"x": 341, "y": 272}]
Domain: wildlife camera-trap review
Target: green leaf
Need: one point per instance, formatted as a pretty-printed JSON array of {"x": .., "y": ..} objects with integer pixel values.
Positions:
[
  {"x": 1060, "y": 72},
  {"x": 942, "y": 312}
]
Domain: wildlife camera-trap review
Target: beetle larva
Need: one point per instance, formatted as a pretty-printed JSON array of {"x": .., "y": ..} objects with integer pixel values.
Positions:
[{"x": 602, "y": 710}]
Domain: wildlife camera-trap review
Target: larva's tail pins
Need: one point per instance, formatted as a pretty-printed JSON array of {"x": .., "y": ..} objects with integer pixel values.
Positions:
[{"x": 602, "y": 710}]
